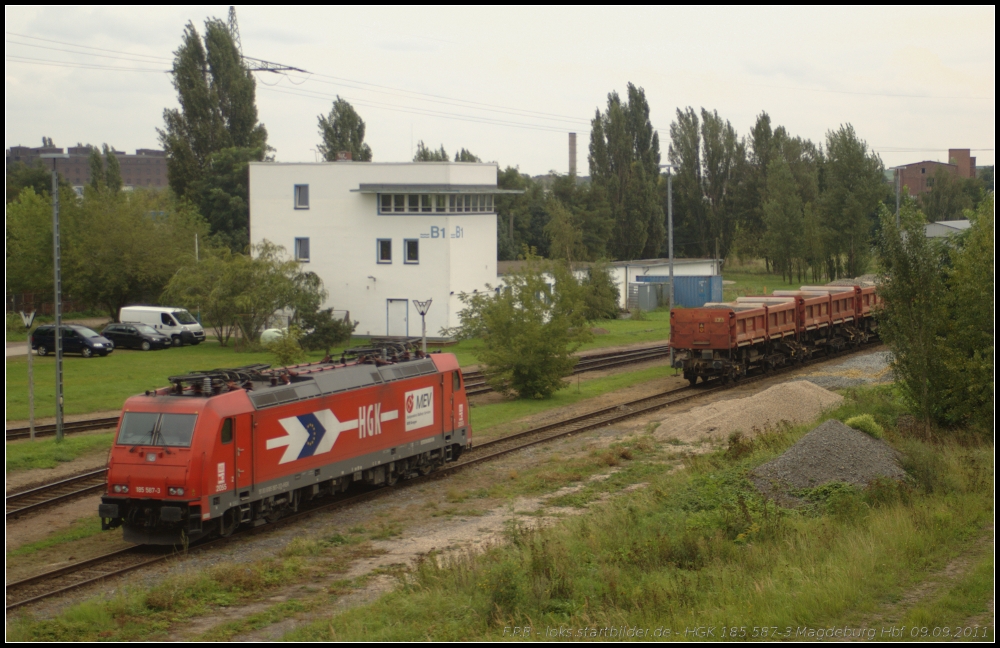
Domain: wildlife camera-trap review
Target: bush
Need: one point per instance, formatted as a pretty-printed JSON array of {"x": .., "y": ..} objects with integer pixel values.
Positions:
[
  {"x": 600, "y": 293},
  {"x": 529, "y": 328},
  {"x": 286, "y": 348},
  {"x": 865, "y": 423}
]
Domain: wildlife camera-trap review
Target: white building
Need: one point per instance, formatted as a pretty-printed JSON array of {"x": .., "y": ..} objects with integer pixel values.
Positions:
[
  {"x": 380, "y": 235},
  {"x": 625, "y": 273}
]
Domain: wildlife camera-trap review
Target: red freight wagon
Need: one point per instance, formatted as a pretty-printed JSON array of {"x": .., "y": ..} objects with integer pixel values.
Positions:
[
  {"x": 842, "y": 302},
  {"x": 232, "y": 447},
  {"x": 717, "y": 339}
]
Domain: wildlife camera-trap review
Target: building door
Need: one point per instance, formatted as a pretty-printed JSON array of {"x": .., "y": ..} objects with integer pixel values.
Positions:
[{"x": 397, "y": 317}]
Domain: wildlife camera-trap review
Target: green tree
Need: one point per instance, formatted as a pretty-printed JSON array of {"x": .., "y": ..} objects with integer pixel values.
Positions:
[
  {"x": 202, "y": 286},
  {"x": 112, "y": 170},
  {"x": 324, "y": 331},
  {"x": 854, "y": 181},
  {"x": 565, "y": 237},
  {"x": 529, "y": 328},
  {"x": 217, "y": 111},
  {"x": 29, "y": 242},
  {"x": 224, "y": 195},
  {"x": 465, "y": 155},
  {"x": 96, "y": 163},
  {"x": 343, "y": 130},
  {"x": 946, "y": 200},
  {"x": 914, "y": 309},
  {"x": 601, "y": 294},
  {"x": 21, "y": 176},
  {"x": 524, "y": 213},
  {"x": 425, "y": 154},
  {"x": 692, "y": 234},
  {"x": 124, "y": 247},
  {"x": 783, "y": 218},
  {"x": 721, "y": 156},
  {"x": 267, "y": 282},
  {"x": 624, "y": 161},
  {"x": 968, "y": 344}
]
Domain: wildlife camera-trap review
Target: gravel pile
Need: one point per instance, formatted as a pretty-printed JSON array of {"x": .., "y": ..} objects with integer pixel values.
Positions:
[
  {"x": 832, "y": 452},
  {"x": 868, "y": 369},
  {"x": 794, "y": 402}
]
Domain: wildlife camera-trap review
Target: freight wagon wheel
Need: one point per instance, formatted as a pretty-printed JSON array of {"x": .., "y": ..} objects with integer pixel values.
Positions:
[{"x": 693, "y": 380}]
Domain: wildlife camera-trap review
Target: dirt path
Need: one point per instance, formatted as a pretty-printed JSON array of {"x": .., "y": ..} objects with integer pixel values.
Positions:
[{"x": 936, "y": 583}]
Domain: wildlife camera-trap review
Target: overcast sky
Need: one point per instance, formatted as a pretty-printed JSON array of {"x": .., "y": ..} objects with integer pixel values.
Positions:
[{"x": 509, "y": 84}]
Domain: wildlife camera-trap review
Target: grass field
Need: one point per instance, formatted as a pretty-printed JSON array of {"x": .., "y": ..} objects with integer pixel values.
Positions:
[
  {"x": 99, "y": 384},
  {"x": 700, "y": 547},
  {"x": 695, "y": 548},
  {"x": 46, "y": 453}
]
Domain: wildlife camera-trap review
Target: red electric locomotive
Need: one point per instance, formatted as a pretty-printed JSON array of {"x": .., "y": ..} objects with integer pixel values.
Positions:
[
  {"x": 224, "y": 448},
  {"x": 725, "y": 340}
]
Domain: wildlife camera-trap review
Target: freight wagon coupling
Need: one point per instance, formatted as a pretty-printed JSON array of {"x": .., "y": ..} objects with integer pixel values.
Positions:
[{"x": 226, "y": 448}]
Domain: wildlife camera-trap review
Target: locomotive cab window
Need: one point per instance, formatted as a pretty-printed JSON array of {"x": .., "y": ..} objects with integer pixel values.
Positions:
[
  {"x": 227, "y": 431},
  {"x": 154, "y": 429},
  {"x": 456, "y": 381}
]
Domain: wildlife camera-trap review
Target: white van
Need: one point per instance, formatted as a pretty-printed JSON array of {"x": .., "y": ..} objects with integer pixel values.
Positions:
[{"x": 175, "y": 322}]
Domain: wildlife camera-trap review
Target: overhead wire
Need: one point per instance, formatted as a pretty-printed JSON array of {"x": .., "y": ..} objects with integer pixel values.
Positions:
[
  {"x": 99, "y": 49},
  {"x": 59, "y": 49},
  {"x": 68, "y": 64}
]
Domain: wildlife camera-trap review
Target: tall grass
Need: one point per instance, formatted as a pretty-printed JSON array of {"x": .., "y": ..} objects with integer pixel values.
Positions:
[{"x": 699, "y": 547}]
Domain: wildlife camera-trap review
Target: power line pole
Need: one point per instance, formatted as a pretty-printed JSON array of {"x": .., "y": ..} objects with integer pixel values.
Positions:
[
  {"x": 255, "y": 64},
  {"x": 56, "y": 256}
]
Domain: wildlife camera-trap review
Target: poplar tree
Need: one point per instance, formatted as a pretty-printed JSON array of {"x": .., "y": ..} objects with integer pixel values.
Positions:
[
  {"x": 425, "y": 154},
  {"x": 214, "y": 134},
  {"x": 343, "y": 130},
  {"x": 624, "y": 162},
  {"x": 854, "y": 180}
]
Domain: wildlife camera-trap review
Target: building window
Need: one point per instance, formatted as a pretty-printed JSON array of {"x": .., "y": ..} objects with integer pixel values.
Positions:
[
  {"x": 411, "y": 251},
  {"x": 383, "y": 249},
  {"x": 301, "y": 196},
  {"x": 434, "y": 203},
  {"x": 302, "y": 249}
]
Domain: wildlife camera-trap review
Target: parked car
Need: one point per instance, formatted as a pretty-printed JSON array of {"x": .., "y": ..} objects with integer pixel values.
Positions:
[
  {"x": 174, "y": 322},
  {"x": 75, "y": 339},
  {"x": 134, "y": 335}
]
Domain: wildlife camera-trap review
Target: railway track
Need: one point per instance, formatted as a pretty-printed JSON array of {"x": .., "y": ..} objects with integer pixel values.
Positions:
[
  {"x": 475, "y": 381},
  {"x": 36, "y": 499},
  {"x": 69, "y": 427},
  {"x": 87, "y": 572}
]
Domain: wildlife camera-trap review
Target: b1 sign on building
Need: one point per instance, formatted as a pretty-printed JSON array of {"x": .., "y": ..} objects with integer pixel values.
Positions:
[{"x": 419, "y": 408}]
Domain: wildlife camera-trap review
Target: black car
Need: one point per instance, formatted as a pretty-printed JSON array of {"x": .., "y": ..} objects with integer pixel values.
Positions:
[
  {"x": 75, "y": 339},
  {"x": 135, "y": 335}
]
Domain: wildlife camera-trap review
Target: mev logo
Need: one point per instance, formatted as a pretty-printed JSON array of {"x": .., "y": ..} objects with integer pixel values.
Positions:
[{"x": 419, "y": 408}]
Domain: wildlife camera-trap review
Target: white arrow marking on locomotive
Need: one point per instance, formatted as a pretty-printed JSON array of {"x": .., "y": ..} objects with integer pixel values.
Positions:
[{"x": 298, "y": 435}]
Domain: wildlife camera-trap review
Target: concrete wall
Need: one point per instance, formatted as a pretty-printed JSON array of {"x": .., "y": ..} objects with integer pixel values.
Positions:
[{"x": 457, "y": 251}]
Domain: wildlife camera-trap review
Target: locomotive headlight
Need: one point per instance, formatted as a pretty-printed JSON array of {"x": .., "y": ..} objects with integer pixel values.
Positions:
[
  {"x": 117, "y": 488},
  {"x": 175, "y": 491},
  {"x": 120, "y": 488}
]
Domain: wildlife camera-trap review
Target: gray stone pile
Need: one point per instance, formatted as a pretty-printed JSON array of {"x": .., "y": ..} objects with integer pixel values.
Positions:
[{"x": 831, "y": 452}]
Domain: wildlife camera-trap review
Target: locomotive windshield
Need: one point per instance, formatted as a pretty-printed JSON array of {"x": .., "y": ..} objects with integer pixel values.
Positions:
[{"x": 153, "y": 429}]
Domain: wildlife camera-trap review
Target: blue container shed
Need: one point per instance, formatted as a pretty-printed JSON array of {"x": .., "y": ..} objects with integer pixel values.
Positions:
[{"x": 690, "y": 292}]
